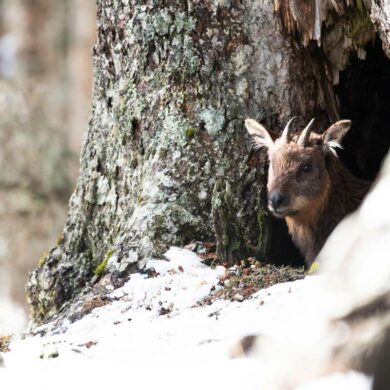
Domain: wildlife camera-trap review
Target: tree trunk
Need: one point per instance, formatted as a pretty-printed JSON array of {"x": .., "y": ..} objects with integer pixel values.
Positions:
[{"x": 174, "y": 82}]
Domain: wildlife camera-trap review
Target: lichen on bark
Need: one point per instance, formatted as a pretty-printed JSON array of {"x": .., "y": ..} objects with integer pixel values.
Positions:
[{"x": 173, "y": 83}]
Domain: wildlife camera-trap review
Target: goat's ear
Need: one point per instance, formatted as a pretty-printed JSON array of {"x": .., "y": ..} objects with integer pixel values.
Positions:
[
  {"x": 259, "y": 133},
  {"x": 333, "y": 136}
]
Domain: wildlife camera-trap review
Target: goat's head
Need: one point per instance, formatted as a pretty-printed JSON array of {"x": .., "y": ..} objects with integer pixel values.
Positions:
[{"x": 298, "y": 178}]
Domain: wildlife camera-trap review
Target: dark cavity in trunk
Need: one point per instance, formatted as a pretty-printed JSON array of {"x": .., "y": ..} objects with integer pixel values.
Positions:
[{"x": 364, "y": 96}]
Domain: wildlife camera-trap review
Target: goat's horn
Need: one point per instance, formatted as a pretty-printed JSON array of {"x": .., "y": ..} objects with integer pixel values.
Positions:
[
  {"x": 286, "y": 131},
  {"x": 305, "y": 135}
]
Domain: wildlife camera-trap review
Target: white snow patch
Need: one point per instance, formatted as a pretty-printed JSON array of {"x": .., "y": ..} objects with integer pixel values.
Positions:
[
  {"x": 183, "y": 280},
  {"x": 350, "y": 380},
  {"x": 154, "y": 335}
]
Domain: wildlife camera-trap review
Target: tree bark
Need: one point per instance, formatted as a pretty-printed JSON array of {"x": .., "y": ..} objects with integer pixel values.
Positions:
[
  {"x": 174, "y": 82},
  {"x": 380, "y": 15},
  {"x": 231, "y": 244}
]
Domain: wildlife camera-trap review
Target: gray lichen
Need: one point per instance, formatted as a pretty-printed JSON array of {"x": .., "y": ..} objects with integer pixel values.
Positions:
[{"x": 214, "y": 120}]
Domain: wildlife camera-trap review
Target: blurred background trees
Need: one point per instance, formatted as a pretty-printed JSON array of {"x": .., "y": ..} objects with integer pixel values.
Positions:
[{"x": 45, "y": 98}]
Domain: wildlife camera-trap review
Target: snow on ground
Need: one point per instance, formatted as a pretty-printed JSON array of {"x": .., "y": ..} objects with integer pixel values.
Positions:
[
  {"x": 12, "y": 316},
  {"x": 154, "y": 334},
  {"x": 339, "y": 381}
]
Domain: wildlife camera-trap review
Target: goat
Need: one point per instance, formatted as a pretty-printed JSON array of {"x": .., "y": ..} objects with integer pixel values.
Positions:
[{"x": 307, "y": 184}]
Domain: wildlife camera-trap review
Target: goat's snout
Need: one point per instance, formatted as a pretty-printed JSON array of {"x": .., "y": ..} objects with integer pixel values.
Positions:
[{"x": 277, "y": 200}]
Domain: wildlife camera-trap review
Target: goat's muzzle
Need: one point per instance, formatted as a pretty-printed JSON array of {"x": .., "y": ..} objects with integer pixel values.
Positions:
[{"x": 278, "y": 203}]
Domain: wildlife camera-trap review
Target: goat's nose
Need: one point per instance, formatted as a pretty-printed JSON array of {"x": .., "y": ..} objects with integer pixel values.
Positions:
[{"x": 276, "y": 199}]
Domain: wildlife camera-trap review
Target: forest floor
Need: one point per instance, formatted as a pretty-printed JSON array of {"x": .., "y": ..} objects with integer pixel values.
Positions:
[{"x": 182, "y": 324}]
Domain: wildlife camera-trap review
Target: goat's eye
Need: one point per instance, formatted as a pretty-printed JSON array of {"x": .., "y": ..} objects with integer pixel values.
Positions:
[{"x": 307, "y": 167}]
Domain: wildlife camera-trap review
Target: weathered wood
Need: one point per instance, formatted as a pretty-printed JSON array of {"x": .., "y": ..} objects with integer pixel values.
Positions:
[{"x": 380, "y": 15}]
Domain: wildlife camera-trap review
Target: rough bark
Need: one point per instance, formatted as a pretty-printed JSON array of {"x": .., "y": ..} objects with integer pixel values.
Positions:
[
  {"x": 380, "y": 15},
  {"x": 173, "y": 83},
  {"x": 231, "y": 245}
]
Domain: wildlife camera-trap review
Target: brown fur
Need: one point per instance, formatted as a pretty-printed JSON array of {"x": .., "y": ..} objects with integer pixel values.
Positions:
[
  {"x": 310, "y": 230},
  {"x": 315, "y": 201}
]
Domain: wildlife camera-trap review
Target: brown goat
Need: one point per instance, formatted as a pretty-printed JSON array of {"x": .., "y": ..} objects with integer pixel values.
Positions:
[{"x": 307, "y": 184}]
